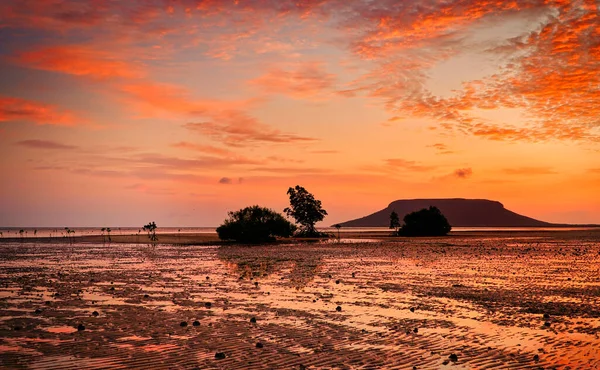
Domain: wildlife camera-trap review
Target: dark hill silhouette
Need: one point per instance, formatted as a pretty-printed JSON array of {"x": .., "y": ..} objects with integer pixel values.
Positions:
[{"x": 459, "y": 212}]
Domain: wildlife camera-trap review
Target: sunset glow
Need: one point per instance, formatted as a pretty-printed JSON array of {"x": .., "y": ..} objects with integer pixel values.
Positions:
[{"x": 177, "y": 111}]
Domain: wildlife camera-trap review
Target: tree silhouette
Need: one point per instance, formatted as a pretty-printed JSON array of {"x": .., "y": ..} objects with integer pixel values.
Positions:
[
  {"x": 151, "y": 229},
  {"x": 305, "y": 209},
  {"x": 426, "y": 222},
  {"x": 108, "y": 230},
  {"x": 338, "y": 227},
  {"x": 255, "y": 224},
  {"x": 394, "y": 221}
]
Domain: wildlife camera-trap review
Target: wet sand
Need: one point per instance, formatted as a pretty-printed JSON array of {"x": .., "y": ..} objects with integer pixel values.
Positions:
[{"x": 494, "y": 300}]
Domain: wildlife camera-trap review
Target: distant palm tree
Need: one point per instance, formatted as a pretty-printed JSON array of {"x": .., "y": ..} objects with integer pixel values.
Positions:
[{"x": 108, "y": 233}]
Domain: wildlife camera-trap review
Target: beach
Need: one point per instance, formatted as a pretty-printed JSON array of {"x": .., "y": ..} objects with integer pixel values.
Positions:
[{"x": 493, "y": 300}]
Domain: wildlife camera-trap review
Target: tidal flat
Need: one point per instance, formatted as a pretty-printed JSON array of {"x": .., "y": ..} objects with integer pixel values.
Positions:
[{"x": 481, "y": 301}]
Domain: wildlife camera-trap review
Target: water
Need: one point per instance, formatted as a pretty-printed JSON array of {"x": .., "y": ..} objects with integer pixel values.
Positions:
[{"x": 30, "y": 232}]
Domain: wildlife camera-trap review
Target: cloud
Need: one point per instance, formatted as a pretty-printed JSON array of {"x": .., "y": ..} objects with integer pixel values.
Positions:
[
  {"x": 208, "y": 149},
  {"x": 152, "y": 98},
  {"x": 45, "y": 144},
  {"x": 17, "y": 109},
  {"x": 441, "y": 148},
  {"x": 530, "y": 171},
  {"x": 399, "y": 163},
  {"x": 195, "y": 163},
  {"x": 225, "y": 180},
  {"x": 80, "y": 60},
  {"x": 306, "y": 81},
  {"x": 236, "y": 128},
  {"x": 463, "y": 173}
]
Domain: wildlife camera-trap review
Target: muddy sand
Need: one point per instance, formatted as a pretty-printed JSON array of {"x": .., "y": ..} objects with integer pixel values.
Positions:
[{"x": 476, "y": 301}]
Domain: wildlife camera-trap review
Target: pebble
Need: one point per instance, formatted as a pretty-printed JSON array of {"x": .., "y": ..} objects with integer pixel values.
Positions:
[
  {"x": 453, "y": 357},
  {"x": 196, "y": 323},
  {"x": 259, "y": 345},
  {"x": 95, "y": 313},
  {"x": 183, "y": 324},
  {"x": 338, "y": 308},
  {"x": 220, "y": 356},
  {"x": 253, "y": 320},
  {"x": 80, "y": 327}
]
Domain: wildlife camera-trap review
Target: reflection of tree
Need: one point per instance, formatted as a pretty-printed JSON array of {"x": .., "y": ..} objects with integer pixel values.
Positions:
[{"x": 297, "y": 268}]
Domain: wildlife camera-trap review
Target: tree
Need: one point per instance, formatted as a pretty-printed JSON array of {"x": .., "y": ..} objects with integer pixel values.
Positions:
[
  {"x": 151, "y": 229},
  {"x": 255, "y": 224},
  {"x": 426, "y": 222},
  {"x": 338, "y": 227},
  {"x": 394, "y": 221},
  {"x": 305, "y": 209}
]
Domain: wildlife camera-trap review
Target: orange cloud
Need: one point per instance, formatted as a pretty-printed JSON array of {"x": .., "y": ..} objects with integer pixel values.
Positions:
[
  {"x": 80, "y": 60},
  {"x": 45, "y": 144},
  {"x": 152, "y": 97},
  {"x": 208, "y": 149},
  {"x": 17, "y": 109},
  {"x": 463, "y": 173},
  {"x": 308, "y": 81},
  {"x": 236, "y": 128}
]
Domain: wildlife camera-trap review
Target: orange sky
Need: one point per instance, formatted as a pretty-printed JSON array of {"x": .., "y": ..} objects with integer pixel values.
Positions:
[{"x": 177, "y": 111}]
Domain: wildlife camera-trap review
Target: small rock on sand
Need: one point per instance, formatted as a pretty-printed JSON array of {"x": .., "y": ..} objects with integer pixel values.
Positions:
[
  {"x": 80, "y": 327},
  {"x": 259, "y": 345},
  {"x": 196, "y": 323},
  {"x": 253, "y": 320},
  {"x": 183, "y": 324},
  {"x": 338, "y": 308},
  {"x": 453, "y": 357},
  {"x": 220, "y": 356}
]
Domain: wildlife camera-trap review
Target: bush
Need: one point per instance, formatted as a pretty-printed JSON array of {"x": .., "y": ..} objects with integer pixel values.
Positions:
[
  {"x": 426, "y": 222},
  {"x": 255, "y": 225}
]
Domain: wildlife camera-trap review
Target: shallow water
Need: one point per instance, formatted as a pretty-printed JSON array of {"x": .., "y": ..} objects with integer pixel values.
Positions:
[{"x": 483, "y": 299}]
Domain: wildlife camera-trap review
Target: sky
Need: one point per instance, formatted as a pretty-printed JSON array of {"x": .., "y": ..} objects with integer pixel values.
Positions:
[{"x": 178, "y": 111}]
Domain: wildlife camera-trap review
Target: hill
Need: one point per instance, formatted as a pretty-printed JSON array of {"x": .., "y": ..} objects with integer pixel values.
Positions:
[{"x": 459, "y": 212}]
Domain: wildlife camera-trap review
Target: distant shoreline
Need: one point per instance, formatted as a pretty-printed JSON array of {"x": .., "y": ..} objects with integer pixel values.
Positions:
[{"x": 383, "y": 234}]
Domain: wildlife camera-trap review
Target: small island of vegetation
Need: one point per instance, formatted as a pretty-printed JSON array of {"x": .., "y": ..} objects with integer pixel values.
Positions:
[{"x": 425, "y": 222}]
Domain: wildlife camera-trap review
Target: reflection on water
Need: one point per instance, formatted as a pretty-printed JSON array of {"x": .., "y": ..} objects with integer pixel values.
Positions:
[{"x": 494, "y": 302}]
